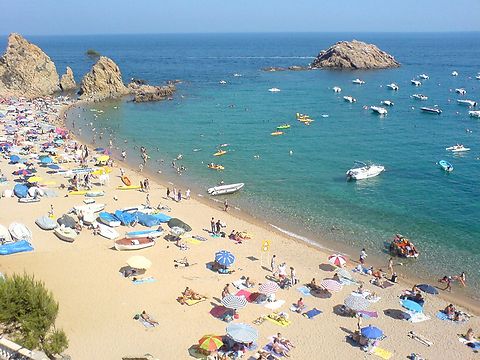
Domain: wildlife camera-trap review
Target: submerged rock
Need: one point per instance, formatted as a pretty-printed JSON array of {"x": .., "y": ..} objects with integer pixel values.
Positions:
[
  {"x": 67, "y": 81},
  {"x": 104, "y": 81},
  {"x": 354, "y": 55},
  {"x": 25, "y": 70}
]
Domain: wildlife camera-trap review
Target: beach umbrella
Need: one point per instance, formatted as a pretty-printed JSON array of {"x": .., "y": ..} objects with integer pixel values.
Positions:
[
  {"x": 22, "y": 172},
  {"x": 411, "y": 305},
  {"x": 371, "y": 332},
  {"x": 429, "y": 289},
  {"x": 46, "y": 160},
  {"x": 139, "y": 262},
  {"x": 337, "y": 260},
  {"x": 14, "y": 159},
  {"x": 234, "y": 302},
  {"x": 243, "y": 333},
  {"x": 210, "y": 342},
  {"x": 344, "y": 274},
  {"x": 356, "y": 303},
  {"x": 99, "y": 149},
  {"x": 54, "y": 167},
  {"x": 269, "y": 287},
  {"x": 103, "y": 158},
  {"x": 174, "y": 222},
  {"x": 34, "y": 179},
  {"x": 225, "y": 258},
  {"x": 331, "y": 285}
]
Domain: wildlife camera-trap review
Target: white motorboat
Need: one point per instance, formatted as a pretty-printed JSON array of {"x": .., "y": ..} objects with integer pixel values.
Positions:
[
  {"x": 364, "y": 171},
  {"x": 337, "y": 89},
  {"x": 349, "y": 99},
  {"x": 461, "y": 91},
  {"x": 20, "y": 232},
  {"x": 358, "y": 82},
  {"x": 237, "y": 75},
  {"x": 420, "y": 97},
  {"x": 107, "y": 232},
  {"x": 95, "y": 207},
  {"x": 225, "y": 189},
  {"x": 424, "y": 76},
  {"x": 454, "y": 73},
  {"x": 474, "y": 113},
  {"x": 274, "y": 90},
  {"x": 393, "y": 86},
  {"x": 133, "y": 244},
  {"x": 457, "y": 148},
  {"x": 65, "y": 233},
  {"x": 379, "y": 110},
  {"x": 431, "y": 110},
  {"x": 387, "y": 103},
  {"x": 416, "y": 82},
  {"x": 88, "y": 217},
  {"x": 222, "y": 82},
  {"x": 467, "y": 102},
  {"x": 477, "y": 77}
]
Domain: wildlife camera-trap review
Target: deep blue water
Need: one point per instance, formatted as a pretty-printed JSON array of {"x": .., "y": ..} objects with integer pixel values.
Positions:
[{"x": 306, "y": 192}]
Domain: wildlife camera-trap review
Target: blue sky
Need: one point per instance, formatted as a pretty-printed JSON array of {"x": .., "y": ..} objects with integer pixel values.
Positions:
[{"x": 53, "y": 17}]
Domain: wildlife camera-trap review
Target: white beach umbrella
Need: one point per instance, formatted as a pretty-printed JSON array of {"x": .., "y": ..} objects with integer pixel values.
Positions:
[
  {"x": 269, "y": 287},
  {"x": 331, "y": 285},
  {"x": 234, "y": 302}
]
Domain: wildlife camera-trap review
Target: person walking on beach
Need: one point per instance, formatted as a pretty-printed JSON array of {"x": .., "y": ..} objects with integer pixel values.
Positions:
[
  {"x": 179, "y": 195},
  {"x": 390, "y": 265},
  {"x": 174, "y": 194},
  {"x": 124, "y": 155},
  {"x": 363, "y": 256},
  {"x": 218, "y": 226},
  {"x": 293, "y": 276},
  {"x": 147, "y": 200},
  {"x": 273, "y": 263},
  {"x": 212, "y": 225},
  {"x": 50, "y": 213},
  {"x": 146, "y": 185},
  {"x": 187, "y": 194},
  {"x": 168, "y": 192},
  {"x": 225, "y": 205}
]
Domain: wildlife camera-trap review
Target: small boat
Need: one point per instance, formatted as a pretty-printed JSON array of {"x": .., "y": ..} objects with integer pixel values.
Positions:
[
  {"x": 215, "y": 166},
  {"x": 349, "y": 99},
  {"x": 416, "y": 82},
  {"x": 474, "y": 113},
  {"x": 237, "y": 75},
  {"x": 337, "y": 89},
  {"x": 109, "y": 219},
  {"x": 276, "y": 133},
  {"x": 469, "y": 103},
  {"x": 88, "y": 217},
  {"x": 431, "y": 110},
  {"x": 144, "y": 233},
  {"x": 46, "y": 223},
  {"x": 424, "y": 76},
  {"x": 15, "y": 247},
  {"x": 393, "y": 86},
  {"x": 131, "y": 187},
  {"x": 477, "y": 77},
  {"x": 28, "y": 200},
  {"x": 445, "y": 165},
  {"x": 225, "y": 189},
  {"x": 358, "y": 82},
  {"x": 5, "y": 236},
  {"x": 284, "y": 126},
  {"x": 107, "y": 232},
  {"x": 220, "y": 153},
  {"x": 133, "y": 244},
  {"x": 461, "y": 91},
  {"x": 274, "y": 89},
  {"x": 95, "y": 193},
  {"x": 402, "y": 247},
  {"x": 454, "y": 73},
  {"x": 65, "y": 233},
  {"x": 379, "y": 110},
  {"x": 388, "y": 103},
  {"x": 420, "y": 97},
  {"x": 126, "y": 180},
  {"x": 95, "y": 207},
  {"x": 20, "y": 232},
  {"x": 457, "y": 148},
  {"x": 364, "y": 171},
  {"x": 222, "y": 82}
]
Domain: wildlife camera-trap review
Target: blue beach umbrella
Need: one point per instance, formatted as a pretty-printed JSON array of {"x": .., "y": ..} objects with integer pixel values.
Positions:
[
  {"x": 242, "y": 332},
  {"x": 14, "y": 159},
  {"x": 46, "y": 160},
  {"x": 371, "y": 332},
  {"x": 54, "y": 167},
  {"x": 411, "y": 305},
  {"x": 429, "y": 289},
  {"x": 224, "y": 258}
]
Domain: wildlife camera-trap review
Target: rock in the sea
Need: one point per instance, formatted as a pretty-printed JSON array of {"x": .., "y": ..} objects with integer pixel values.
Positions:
[
  {"x": 354, "y": 55},
  {"x": 67, "y": 81},
  {"x": 25, "y": 70},
  {"x": 104, "y": 81},
  {"x": 273, "y": 69},
  {"x": 143, "y": 93}
]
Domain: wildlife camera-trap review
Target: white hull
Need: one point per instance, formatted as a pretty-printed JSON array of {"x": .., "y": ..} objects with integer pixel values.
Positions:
[
  {"x": 110, "y": 223},
  {"x": 20, "y": 232},
  {"x": 420, "y": 97},
  {"x": 416, "y": 83},
  {"x": 121, "y": 246},
  {"x": 349, "y": 99},
  {"x": 65, "y": 234},
  {"x": 475, "y": 113},
  {"x": 379, "y": 110},
  {"x": 358, "y": 82},
  {"x": 274, "y": 90},
  {"x": 5, "y": 236},
  {"x": 108, "y": 232},
  {"x": 150, "y": 234},
  {"x": 365, "y": 172},
  {"x": 225, "y": 189},
  {"x": 467, "y": 102},
  {"x": 393, "y": 87},
  {"x": 89, "y": 208}
]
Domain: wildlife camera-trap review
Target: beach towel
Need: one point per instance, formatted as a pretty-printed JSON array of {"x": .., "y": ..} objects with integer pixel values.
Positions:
[
  {"x": 149, "y": 279},
  {"x": 384, "y": 354},
  {"x": 474, "y": 345},
  {"x": 191, "y": 302},
  {"x": 145, "y": 323},
  {"x": 239, "y": 284},
  {"x": 417, "y": 317},
  {"x": 193, "y": 241},
  {"x": 304, "y": 290},
  {"x": 387, "y": 284},
  {"x": 345, "y": 281},
  {"x": 275, "y": 304},
  {"x": 312, "y": 313},
  {"x": 368, "y": 314},
  {"x": 246, "y": 294},
  {"x": 283, "y": 323}
]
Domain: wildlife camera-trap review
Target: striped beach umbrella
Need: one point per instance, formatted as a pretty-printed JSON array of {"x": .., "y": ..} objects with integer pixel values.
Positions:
[
  {"x": 356, "y": 303},
  {"x": 331, "y": 285},
  {"x": 337, "y": 260},
  {"x": 234, "y": 302},
  {"x": 224, "y": 257},
  {"x": 243, "y": 333},
  {"x": 210, "y": 342},
  {"x": 269, "y": 287}
]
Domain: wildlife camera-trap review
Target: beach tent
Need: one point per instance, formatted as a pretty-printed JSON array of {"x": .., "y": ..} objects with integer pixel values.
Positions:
[
  {"x": 20, "y": 190},
  {"x": 411, "y": 305},
  {"x": 234, "y": 302},
  {"x": 174, "y": 222},
  {"x": 269, "y": 287}
]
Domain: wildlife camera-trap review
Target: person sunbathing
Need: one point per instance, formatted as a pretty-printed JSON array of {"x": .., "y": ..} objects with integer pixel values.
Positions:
[
  {"x": 189, "y": 294},
  {"x": 147, "y": 318},
  {"x": 450, "y": 311},
  {"x": 248, "y": 283},
  {"x": 469, "y": 336},
  {"x": 226, "y": 291},
  {"x": 313, "y": 285},
  {"x": 279, "y": 349},
  {"x": 284, "y": 341},
  {"x": 299, "y": 306}
]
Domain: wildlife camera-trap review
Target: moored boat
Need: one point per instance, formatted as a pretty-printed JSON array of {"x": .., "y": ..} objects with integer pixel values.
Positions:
[
  {"x": 445, "y": 165},
  {"x": 388, "y": 103},
  {"x": 402, "y": 247},
  {"x": 215, "y": 166},
  {"x": 109, "y": 219},
  {"x": 364, "y": 171},
  {"x": 349, "y": 99},
  {"x": 424, "y": 76},
  {"x": 461, "y": 91},
  {"x": 133, "y": 244},
  {"x": 393, "y": 86},
  {"x": 284, "y": 126},
  {"x": 107, "y": 232},
  {"x": 470, "y": 103},
  {"x": 431, "y": 110},
  {"x": 358, "y": 82},
  {"x": 416, "y": 82},
  {"x": 454, "y": 73},
  {"x": 337, "y": 89},
  {"x": 225, "y": 189},
  {"x": 474, "y": 113},
  {"x": 274, "y": 89},
  {"x": 46, "y": 223},
  {"x": 420, "y": 97},
  {"x": 276, "y": 133},
  {"x": 20, "y": 232},
  {"x": 220, "y": 153},
  {"x": 5, "y": 236},
  {"x": 457, "y": 148},
  {"x": 379, "y": 110},
  {"x": 126, "y": 180}
]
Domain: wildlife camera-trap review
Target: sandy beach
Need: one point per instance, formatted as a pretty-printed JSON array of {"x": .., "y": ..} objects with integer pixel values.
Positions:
[{"x": 98, "y": 304}]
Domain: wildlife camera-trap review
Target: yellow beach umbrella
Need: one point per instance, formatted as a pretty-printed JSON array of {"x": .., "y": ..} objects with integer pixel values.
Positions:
[
  {"x": 103, "y": 158},
  {"x": 210, "y": 342},
  {"x": 34, "y": 179},
  {"x": 139, "y": 262}
]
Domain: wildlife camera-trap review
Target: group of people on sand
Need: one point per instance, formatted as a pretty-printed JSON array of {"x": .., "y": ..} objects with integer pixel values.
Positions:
[
  {"x": 177, "y": 195},
  {"x": 280, "y": 272},
  {"x": 462, "y": 279}
]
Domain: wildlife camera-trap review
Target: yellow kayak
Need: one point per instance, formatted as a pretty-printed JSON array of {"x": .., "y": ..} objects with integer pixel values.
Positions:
[
  {"x": 220, "y": 153},
  {"x": 131, "y": 187},
  {"x": 276, "y": 133},
  {"x": 306, "y": 120},
  {"x": 78, "y": 192},
  {"x": 215, "y": 167}
]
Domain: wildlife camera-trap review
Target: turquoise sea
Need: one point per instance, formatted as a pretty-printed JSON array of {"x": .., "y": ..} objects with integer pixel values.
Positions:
[{"x": 305, "y": 192}]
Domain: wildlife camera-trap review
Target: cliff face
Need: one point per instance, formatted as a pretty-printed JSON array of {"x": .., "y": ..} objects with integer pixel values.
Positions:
[
  {"x": 25, "y": 70},
  {"x": 67, "y": 81},
  {"x": 354, "y": 55},
  {"x": 103, "y": 81}
]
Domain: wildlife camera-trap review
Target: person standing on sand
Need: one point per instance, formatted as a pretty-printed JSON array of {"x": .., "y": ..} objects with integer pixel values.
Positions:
[
  {"x": 293, "y": 276},
  {"x": 179, "y": 195},
  {"x": 218, "y": 226},
  {"x": 462, "y": 278},
  {"x": 225, "y": 205},
  {"x": 447, "y": 280},
  {"x": 124, "y": 155},
  {"x": 174, "y": 194},
  {"x": 187, "y": 194},
  {"x": 168, "y": 192},
  {"x": 147, "y": 200},
  {"x": 212, "y": 225},
  {"x": 363, "y": 256},
  {"x": 272, "y": 263},
  {"x": 390, "y": 265}
]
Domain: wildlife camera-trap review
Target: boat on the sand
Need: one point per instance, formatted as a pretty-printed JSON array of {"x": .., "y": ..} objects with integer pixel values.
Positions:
[{"x": 133, "y": 244}]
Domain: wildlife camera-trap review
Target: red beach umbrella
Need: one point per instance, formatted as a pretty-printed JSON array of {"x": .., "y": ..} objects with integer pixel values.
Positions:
[
  {"x": 337, "y": 260},
  {"x": 268, "y": 288}
]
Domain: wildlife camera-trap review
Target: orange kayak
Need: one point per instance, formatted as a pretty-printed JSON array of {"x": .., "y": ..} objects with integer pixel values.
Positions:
[{"x": 126, "y": 181}]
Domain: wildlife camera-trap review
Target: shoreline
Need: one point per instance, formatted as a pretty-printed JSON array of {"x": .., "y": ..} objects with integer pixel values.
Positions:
[{"x": 322, "y": 246}]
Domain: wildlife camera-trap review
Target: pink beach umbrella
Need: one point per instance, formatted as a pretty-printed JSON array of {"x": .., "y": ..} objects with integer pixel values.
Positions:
[
  {"x": 268, "y": 288},
  {"x": 331, "y": 285},
  {"x": 337, "y": 260}
]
